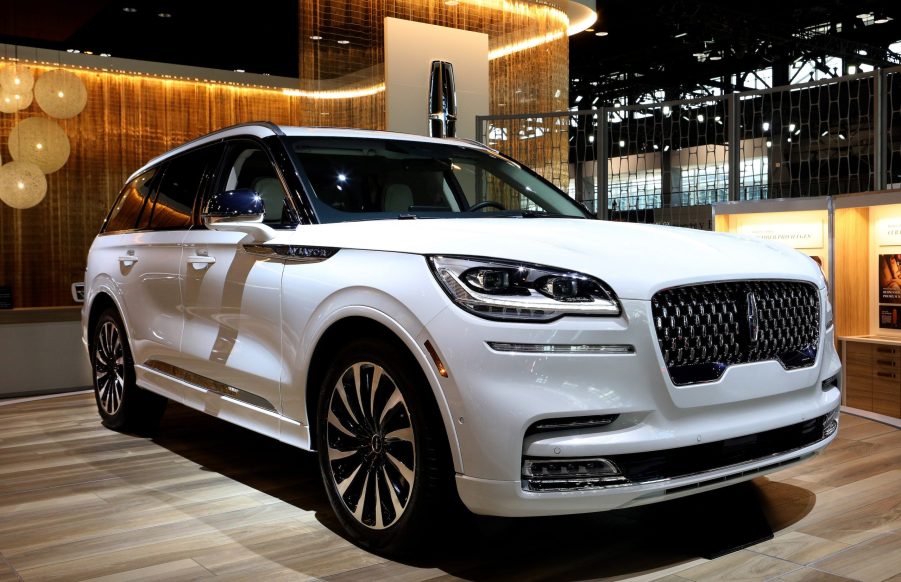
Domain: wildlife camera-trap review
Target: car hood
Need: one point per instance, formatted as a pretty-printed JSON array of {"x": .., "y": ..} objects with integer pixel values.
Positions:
[{"x": 636, "y": 260}]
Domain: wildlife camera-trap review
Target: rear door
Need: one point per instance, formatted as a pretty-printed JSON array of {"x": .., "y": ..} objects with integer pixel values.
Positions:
[
  {"x": 152, "y": 292},
  {"x": 143, "y": 265}
]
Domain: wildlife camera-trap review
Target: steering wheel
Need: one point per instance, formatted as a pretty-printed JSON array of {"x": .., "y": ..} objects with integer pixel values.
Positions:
[{"x": 486, "y": 204}]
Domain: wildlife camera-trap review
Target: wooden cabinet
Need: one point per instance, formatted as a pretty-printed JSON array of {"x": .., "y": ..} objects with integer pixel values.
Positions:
[
  {"x": 873, "y": 375},
  {"x": 858, "y": 375}
]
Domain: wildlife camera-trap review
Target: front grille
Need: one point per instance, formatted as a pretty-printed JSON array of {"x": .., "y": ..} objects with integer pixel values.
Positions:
[
  {"x": 704, "y": 329},
  {"x": 680, "y": 462}
]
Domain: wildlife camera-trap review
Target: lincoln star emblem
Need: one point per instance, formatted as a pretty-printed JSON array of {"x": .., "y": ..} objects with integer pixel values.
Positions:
[{"x": 753, "y": 323}]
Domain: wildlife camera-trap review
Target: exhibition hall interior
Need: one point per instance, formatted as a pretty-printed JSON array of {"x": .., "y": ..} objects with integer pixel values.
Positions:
[{"x": 450, "y": 289}]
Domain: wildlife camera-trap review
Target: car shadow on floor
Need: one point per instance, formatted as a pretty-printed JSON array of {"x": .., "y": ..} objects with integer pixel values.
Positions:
[{"x": 610, "y": 544}]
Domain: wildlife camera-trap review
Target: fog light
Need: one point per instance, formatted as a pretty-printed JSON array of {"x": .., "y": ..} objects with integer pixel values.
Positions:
[
  {"x": 567, "y": 474},
  {"x": 830, "y": 423}
]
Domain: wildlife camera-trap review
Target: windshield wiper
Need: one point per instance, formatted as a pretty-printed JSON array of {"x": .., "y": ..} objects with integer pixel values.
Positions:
[{"x": 540, "y": 214}]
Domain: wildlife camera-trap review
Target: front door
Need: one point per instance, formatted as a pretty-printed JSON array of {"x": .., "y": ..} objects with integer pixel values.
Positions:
[{"x": 232, "y": 334}]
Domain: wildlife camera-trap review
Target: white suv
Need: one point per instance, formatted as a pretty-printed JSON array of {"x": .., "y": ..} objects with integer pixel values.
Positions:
[{"x": 436, "y": 320}]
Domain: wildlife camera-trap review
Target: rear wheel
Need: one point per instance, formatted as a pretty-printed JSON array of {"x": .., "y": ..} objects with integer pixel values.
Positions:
[
  {"x": 382, "y": 449},
  {"x": 121, "y": 403}
]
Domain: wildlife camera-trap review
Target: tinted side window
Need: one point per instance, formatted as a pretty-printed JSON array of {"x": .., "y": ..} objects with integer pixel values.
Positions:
[
  {"x": 131, "y": 203},
  {"x": 179, "y": 187}
]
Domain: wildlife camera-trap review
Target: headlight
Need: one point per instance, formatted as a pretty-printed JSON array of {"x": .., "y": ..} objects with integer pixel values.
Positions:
[{"x": 497, "y": 289}]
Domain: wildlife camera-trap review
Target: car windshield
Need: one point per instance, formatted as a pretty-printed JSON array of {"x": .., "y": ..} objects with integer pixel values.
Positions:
[{"x": 373, "y": 178}]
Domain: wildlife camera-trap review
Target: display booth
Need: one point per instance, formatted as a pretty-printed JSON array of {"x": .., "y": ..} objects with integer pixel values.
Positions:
[
  {"x": 803, "y": 224},
  {"x": 868, "y": 271},
  {"x": 857, "y": 240}
]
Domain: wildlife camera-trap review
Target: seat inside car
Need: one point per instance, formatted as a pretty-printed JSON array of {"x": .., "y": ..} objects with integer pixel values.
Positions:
[
  {"x": 273, "y": 195},
  {"x": 398, "y": 198}
]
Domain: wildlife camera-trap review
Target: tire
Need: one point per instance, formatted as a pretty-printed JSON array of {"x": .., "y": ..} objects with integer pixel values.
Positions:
[
  {"x": 122, "y": 405},
  {"x": 385, "y": 464}
]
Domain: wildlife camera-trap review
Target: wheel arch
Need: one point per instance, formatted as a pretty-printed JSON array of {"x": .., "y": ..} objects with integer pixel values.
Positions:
[
  {"x": 368, "y": 322},
  {"x": 100, "y": 303}
]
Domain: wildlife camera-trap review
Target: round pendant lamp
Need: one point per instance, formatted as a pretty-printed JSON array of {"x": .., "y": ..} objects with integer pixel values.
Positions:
[
  {"x": 12, "y": 101},
  {"x": 16, "y": 78},
  {"x": 39, "y": 141},
  {"x": 22, "y": 185},
  {"x": 60, "y": 94}
]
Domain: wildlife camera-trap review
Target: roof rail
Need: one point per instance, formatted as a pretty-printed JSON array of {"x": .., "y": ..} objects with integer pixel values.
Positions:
[
  {"x": 267, "y": 124},
  {"x": 273, "y": 126}
]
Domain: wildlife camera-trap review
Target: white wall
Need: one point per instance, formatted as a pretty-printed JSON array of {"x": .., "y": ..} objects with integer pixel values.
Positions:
[{"x": 410, "y": 48}]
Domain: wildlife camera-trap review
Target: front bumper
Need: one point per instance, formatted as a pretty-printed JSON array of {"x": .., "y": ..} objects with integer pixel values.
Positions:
[
  {"x": 494, "y": 397},
  {"x": 509, "y": 499}
]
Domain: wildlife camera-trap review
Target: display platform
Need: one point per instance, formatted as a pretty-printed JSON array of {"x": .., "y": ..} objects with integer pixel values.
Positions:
[{"x": 206, "y": 499}]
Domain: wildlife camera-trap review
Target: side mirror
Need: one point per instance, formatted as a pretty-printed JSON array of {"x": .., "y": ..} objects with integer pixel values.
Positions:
[{"x": 240, "y": 210}]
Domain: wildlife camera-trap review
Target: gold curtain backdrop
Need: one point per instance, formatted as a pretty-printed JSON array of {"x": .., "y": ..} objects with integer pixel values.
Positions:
[
  {"x": 342, "y": 49},
  {"x": 128, "y": 120}
]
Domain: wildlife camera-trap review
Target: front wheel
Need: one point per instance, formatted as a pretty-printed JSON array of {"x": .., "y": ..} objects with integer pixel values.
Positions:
[
  {"x": 121, "y": 403},
  {"x": 382, "y": 449}
]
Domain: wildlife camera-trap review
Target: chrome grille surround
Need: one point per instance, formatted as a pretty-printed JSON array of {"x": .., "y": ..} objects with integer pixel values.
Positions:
[{"x": 703, "y": 329}]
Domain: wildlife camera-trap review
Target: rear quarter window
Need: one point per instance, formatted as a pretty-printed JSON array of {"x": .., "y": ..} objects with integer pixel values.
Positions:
[{"x": 131, "y": 203}]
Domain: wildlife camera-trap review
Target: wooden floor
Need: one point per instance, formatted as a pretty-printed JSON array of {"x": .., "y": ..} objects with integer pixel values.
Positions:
[{"x": 205, "y": 499}]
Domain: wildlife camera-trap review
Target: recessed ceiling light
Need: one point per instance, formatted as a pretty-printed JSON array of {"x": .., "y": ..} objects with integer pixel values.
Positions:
[
  {"x": 315, "y": 37},
  {"x": 343, "y": 42},
  {"x": 601, "y": 33},
  {"x": 129, "y": 9},
  {"x": 164, "y": 15}
]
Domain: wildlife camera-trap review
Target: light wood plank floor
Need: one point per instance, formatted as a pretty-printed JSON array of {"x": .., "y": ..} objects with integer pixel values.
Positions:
[{"x": 208, "y": 500}]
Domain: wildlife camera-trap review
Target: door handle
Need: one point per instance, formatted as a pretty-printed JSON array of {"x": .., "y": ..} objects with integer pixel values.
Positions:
[
  {"x": 128, "y": 260},
  {"x": 200, "y": 262}
]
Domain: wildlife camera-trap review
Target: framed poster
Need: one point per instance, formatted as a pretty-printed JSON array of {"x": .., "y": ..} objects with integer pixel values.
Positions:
[
  {"x": 889, "y": 317},
  {"x": 889, "y": 279},
  {"x": 889, "y": 232}
]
